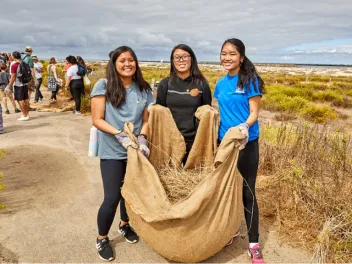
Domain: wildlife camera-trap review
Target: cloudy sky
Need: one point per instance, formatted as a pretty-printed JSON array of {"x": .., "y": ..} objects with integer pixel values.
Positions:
[{"x": 300, "y": 31}]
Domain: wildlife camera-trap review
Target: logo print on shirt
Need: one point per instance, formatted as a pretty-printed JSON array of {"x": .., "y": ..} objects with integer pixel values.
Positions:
[
  {"x": 194, "y": 92},
  {"x": 239, "y": 90}
]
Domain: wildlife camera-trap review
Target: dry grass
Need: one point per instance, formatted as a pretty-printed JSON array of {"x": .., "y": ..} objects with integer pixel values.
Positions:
[
  {"x": 179, "y": 183},
  {"x": 309, "y": 172}
]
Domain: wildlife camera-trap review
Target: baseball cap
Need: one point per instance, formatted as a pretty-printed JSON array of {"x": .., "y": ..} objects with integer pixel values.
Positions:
[
  {"x": 16, "y": 55},
  {"x": 28, "y": 49},
  {"x": 34, "y": 56}
]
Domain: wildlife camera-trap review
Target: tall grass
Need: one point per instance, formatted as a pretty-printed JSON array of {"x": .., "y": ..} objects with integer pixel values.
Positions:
[{"x": 309, "y": 172}]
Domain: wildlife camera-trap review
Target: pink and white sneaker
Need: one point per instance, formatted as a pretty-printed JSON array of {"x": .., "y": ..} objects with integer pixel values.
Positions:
[{"x": 255, "y": 254}]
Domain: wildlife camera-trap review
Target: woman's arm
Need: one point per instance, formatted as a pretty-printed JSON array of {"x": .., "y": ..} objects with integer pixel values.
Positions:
[
  {"x": 53, "y": 68},
  {"x": 68, "y": 80},
  {"x": 206, "y": 97},
  {"x": 161, "y": 93},
  {"x": 98, "y": 115},
  {"x": 254, "y": 104},
  {"x": 145, "y": 127}
]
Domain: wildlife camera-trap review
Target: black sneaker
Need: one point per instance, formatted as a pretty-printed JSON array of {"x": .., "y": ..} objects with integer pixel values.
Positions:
[
  {"x": 129, "y": 234},
  {"x": 105, "y": 251},
  {"x": 17, "y": 110}
]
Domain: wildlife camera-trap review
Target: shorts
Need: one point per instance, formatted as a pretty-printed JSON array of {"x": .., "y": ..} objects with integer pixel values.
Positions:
[
  {"x": 3, "y": 94},
  {"x": 21, "y": 93},
  {"x": 31, "y": 86}
]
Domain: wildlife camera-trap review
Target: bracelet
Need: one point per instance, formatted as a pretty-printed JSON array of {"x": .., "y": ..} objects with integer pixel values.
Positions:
[{"x": 143, "y": 135}]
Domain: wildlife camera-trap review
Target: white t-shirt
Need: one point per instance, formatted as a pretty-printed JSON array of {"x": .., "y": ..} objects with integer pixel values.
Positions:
[
  {"x": 72, "y": 72},
  {"x": 37, "y": 70}
]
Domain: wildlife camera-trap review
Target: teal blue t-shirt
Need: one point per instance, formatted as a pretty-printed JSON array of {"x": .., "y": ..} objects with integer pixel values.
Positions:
[
  {"x": 234, "y": 105},
  {"x": 130, "y": 111},
  {"x": 29, "y": 60}
]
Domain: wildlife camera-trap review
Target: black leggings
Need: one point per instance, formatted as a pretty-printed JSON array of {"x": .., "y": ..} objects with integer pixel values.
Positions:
[
  {"x": 38, "y": 93},
  {"x": 53, "y": 93},
  {"x": 189, "y": 144},
  {"x": 76, "y": 88},
  {"x": 248, "y": 162},
  {"x": 113, "y": 174}
]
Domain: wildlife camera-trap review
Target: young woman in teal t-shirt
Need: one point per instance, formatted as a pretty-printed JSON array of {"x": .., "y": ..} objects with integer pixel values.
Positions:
[{"x": 239, "y": 94}]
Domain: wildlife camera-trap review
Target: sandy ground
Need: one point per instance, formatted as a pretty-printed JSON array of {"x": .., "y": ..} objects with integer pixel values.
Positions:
[{"x": 53, "y": 192}]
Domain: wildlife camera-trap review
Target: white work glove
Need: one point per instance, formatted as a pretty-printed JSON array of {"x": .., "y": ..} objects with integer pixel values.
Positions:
[
  {"x": 143, "y": 145},
  {"x": 8, "y": 89},
  {"x": 243, "y": 127},
  {"x": 125, "y": 140}
]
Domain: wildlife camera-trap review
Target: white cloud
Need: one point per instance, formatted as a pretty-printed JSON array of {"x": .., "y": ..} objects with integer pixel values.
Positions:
[{"x": 153, "y": 27}]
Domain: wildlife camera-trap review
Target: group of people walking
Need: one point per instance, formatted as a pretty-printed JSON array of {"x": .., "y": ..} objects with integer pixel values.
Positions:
[
  {"x": 124, "y": 96},
  {"x": 22, "y": 74}
]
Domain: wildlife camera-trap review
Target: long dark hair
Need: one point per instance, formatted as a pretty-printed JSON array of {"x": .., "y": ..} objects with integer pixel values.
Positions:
[
  {"x": 116, "y": 92},
  {"x": 195, "y": 72},
  {"x": 247, "y": 74},
  {"x": 71, "y": 59},
  {"x": 81, "y": 61}
]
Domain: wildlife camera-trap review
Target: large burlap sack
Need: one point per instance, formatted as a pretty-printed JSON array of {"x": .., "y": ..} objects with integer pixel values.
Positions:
[{"x": 196, "y": 227}]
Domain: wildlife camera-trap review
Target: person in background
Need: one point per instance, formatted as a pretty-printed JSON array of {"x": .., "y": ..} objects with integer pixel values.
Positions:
[
  {"x": 27, "y": 58},
  {"x": 4, "y": 82},
  {"x": 81, "y": 61},
  {"x": 183, "y": 92},
  {"x": 53, "y": 79},
  {"x": 67, "y": 66},
  {"x": 21, "y": 88},
  {"x": 38, "y": 69},
  {"x": 75, "y": 83},
  {"x": 239, "y": 94},
  {"x": 2, "y": 59},
  {"x": 2, "y": 130},
  {"x": 123, "y": 96}
]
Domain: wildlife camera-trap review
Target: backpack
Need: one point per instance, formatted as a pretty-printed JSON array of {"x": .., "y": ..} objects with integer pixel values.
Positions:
[
  {"x": 24, "y": 73},
  {"x": 81, "y": 70}
]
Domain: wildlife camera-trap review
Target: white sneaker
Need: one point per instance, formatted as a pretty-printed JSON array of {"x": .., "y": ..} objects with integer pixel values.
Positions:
[
  {"x": 75, "y": 112},
  {"x": 22, "y": 118}
]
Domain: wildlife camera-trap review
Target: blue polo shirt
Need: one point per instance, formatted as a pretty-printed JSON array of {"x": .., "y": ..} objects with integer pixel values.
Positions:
[{"x": 234, "y": 105}]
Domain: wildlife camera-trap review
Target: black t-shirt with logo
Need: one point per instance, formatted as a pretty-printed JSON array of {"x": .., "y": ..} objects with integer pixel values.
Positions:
[{"x": 183, "y": 97}]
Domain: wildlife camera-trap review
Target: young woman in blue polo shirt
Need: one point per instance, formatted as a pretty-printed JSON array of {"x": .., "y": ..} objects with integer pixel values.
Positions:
[{"x": 239, "y": 94}]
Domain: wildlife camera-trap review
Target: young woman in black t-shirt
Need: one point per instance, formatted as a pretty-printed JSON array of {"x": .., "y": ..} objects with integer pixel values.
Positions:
[{"x": 183, "y": 92}]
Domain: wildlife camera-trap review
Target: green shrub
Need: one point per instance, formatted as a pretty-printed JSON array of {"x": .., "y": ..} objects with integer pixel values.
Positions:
[
  {"x": 318, "y": 114},
  {"x": 327, "y": 96},
  {"x": 319, "y": 78},
  {"x": 343, "y": 85}
]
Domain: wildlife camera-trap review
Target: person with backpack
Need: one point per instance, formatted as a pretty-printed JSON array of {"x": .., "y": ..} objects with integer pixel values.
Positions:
[
  {"x": 20, "y": 76},
  {"x": 81, "y": 61},
  {"x": 27, "y": 58},
  {"x": 183, "y": 92},
  {"x": 74, "y": 81},
  {"x": 238, "y": 95},
  {"x": 4, "y": 81}
]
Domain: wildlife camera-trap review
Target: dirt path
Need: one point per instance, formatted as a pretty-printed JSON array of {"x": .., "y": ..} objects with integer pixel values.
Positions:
[{"x": 53, "y": 192}]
